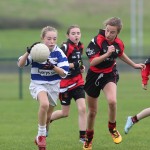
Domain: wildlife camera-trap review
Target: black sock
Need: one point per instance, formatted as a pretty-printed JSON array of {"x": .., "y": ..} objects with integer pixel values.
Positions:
[{"x": 82, "y": 134}]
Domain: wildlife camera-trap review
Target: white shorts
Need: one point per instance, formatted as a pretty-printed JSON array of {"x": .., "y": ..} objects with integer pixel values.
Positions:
[{"x": 52, "y": 91}]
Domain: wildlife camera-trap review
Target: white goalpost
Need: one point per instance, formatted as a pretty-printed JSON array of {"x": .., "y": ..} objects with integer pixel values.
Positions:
[{"x": 137, "y": 27}]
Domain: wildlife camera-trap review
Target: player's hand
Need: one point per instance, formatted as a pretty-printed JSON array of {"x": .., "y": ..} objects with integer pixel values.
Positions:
[
  {"x": 144, "y": 86},
  {"x": 78, "y": 64},
  {"x": 140, "y": 66},
  {"x": 29, "y": 48},
  {"x": 110, "y": 50},
  {"x": 48, "y": 65}
]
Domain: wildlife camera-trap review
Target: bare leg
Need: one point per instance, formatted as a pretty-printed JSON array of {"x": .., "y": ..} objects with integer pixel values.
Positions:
[
  {"x": 43, "y": 108},
  {"x": 64, "y": 112},
  {"x": 42, "y": 117},
  {"x": 143, "y": 114},
  {"x": 49, "y": 113},
  {"x": 82, "y": 113},
  {"x": 92, "y": 111},
  {"x": 110, "y": 93},
  {"x": 131, "y": 120},
  {"x": 56, "y": 115}
]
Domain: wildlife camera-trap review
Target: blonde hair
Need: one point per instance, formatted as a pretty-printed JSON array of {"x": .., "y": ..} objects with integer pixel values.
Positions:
[
  {"x": 71, "y": 27},
  {"x": 114, "y": 21},
  {"x": 46, "y": 29}
]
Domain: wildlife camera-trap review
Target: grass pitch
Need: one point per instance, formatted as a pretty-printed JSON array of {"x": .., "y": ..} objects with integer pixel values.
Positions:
[{"x": 18, "y": 123}]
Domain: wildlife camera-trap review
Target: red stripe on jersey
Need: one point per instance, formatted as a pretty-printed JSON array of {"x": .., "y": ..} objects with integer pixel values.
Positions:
[
  {"x": 102, "y": 43},
  {"x": 104, "y": 70},
  {"x": 72, "y": 83},
  {"x": 121, "y": 45}
]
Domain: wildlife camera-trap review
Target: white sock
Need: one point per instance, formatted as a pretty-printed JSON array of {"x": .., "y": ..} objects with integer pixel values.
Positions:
[{"x": 41, "y": 130}]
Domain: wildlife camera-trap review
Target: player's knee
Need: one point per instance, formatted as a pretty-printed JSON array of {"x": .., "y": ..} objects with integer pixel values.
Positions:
[
  {"x": 82, "y": 110},
  {"x": 65, "y": 114},
  {"x": 112, "y": 102},
  {"x": 92, "y": 113},
  {"x": 44, "y": 106}
]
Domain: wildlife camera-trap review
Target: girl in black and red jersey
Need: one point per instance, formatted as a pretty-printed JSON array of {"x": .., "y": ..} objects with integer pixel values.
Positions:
[
  {"x": 72, "y": 86},
  {"x": 102, "y": 52}
]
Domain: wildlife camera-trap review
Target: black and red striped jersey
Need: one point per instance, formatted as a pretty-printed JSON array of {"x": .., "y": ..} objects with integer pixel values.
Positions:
[
  {"x": 74, "y": 54},
  {"x": 99, "y": 46},
  {"x": 74, "y": 77}
]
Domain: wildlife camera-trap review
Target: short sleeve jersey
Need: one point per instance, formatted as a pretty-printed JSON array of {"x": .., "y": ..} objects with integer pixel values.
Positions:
[
  {"x": 74, "y": 78},
  {"x": 99, "y": 46},
  {"x": 74, "y": 54},
  {"x": 40, "y": 75}
]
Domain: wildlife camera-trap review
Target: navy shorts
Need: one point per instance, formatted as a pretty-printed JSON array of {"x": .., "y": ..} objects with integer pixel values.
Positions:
[
  {"x": 95, "y": 82},
  {"x": 65, "y": 98}
]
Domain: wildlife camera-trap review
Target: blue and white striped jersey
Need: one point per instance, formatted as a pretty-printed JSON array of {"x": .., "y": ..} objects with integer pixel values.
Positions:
[{"x": 40, "y": 75}]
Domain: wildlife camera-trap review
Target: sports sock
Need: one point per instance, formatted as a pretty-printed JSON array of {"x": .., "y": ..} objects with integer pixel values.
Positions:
[
  {"x": 82, "y": 134},
  {"x": 134, "y": 119},
  {"x": 111, "y": 126},
  {"x": 41, "y": 130},
  {"x": 89, "y": 135}
]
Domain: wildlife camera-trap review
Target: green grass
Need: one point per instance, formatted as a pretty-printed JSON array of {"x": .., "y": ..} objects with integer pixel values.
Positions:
[
  {"x": 18, "y": 118},
  {"x": 18, "y": 123}
]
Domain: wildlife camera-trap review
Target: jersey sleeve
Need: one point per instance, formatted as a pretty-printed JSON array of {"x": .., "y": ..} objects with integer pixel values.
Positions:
[
  {"x": 145, "y": 74},
  {"x": 64, "y": 48},
  {"x": 28, "y": 61},
  {"x": 92, "y": 50}
]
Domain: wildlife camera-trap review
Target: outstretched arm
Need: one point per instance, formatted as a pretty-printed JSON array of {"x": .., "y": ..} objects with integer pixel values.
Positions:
[{"x": 127, "y": 60}]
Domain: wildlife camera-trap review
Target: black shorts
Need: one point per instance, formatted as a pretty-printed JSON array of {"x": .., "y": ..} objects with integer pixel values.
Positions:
[
  {"x": 65, "y": 98},
  {"x": 95, "y": 82}
]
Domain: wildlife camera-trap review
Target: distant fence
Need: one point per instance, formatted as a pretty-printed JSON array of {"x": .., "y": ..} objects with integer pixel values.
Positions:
[{"x": 9, "y": 66}]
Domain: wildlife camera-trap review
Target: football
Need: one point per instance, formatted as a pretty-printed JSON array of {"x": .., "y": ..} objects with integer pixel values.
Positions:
[{"x": 40, "y": 52}]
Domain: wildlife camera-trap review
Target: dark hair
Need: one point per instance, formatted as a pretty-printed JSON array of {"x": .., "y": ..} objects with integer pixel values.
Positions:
[{"x": 114, "y": 21}]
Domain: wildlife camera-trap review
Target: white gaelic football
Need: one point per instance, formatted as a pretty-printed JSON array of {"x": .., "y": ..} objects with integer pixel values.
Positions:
[{"x": 40, "y": 52}]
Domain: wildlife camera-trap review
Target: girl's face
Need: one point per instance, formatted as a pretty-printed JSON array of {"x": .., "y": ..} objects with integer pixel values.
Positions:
[
  {"x": 111, "y": 33},
  {"x": 50, "y": 39},
  {"x": 74, "y": 35}
]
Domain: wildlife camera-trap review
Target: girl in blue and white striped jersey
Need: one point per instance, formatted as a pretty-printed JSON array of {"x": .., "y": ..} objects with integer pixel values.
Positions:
[{"x": 45, "y": 79}]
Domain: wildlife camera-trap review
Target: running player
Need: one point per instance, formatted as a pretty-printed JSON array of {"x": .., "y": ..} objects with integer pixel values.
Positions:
[
  {"x": 45, "y": 80},
  {"x": 71, "y": 87},
  {"x": 102, "y": 52}
]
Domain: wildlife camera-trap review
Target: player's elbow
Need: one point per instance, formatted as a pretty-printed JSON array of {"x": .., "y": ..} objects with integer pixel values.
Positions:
[{"x": 20, "y": 65}]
